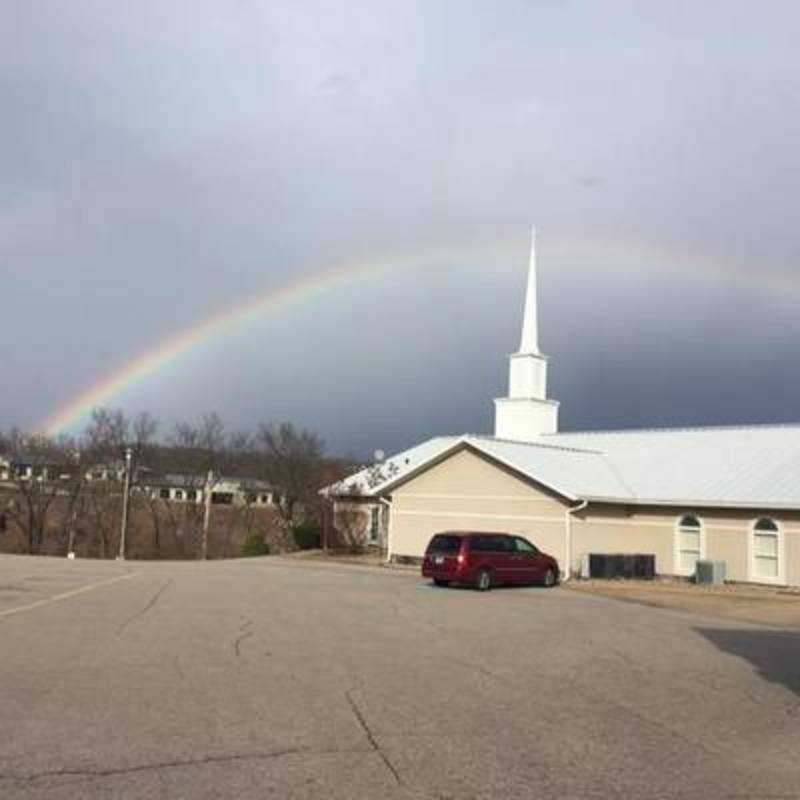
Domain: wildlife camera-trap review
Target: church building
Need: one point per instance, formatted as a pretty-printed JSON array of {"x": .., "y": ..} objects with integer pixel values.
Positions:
[{"x": 727, "y": 494}]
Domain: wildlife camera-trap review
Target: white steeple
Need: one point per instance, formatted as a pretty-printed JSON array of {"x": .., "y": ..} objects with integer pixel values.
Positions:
[
  {"x": 529, "y": 343},
  {"x": 527, "y": 413}
]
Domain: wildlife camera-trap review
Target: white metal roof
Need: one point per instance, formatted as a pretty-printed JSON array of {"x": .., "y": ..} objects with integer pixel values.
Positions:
[
  {"x": 748, "y": 466},
  {"x": 757, "y": 465}
]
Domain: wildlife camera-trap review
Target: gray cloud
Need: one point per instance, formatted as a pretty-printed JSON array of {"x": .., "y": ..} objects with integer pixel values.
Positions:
[{"x": 169, "y": 159}]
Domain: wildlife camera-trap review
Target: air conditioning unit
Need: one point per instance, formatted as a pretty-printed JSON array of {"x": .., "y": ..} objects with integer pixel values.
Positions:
[
  {"x": 622, "y": 565},
  {"x": 711, "y": 573}
]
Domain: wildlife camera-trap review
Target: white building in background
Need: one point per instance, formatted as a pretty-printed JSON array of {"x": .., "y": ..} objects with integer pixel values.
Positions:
[
  {"x": 729, "y": 494},
  {"x": 228, "y": 491},
  {"x": 181, "y": 487}
]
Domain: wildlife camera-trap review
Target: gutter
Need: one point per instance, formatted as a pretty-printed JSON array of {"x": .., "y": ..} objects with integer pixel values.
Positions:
[
  {"x": 687, "y": 503},
  {"x": 568, "y": 534}
]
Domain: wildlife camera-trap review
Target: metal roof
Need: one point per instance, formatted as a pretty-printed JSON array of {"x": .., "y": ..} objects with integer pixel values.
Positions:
[
  {"x": 198, "y": 481},
  {"x": 757, "y": 465},
  {"x": 737, "y": 466}
]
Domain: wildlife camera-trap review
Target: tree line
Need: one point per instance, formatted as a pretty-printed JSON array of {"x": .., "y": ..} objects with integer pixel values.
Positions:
[{"x": 56, "y": 503}]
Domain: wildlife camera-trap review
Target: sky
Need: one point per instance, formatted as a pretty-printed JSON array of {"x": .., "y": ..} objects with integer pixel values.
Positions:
[{"x": 163, "y": 162}]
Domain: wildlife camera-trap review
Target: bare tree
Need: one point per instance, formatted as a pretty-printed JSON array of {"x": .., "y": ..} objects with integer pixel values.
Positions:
[
  {"x": 350, "y": 523},
  {"x": 185, "y": 435},
  {"x": 204, "y": 452},
  {"x": 349, "y": 497},
  {"x": 40, "y": 472},
  {"x": 201, "y": 446},
  {"x": 100, "y": 510},
  {"x": 241, "y": 445},
  {"x": 108, "y": 432},
  {"x": 293, "y": 461},
  {"x": 104, "y": 441},
  {"x": 77, "y": 491},
  {"x": 211, "y": 433},
  {"x": 145, "y": 428}
]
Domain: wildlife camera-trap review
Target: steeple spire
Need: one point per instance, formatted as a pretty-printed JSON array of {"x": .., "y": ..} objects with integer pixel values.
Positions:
[
  {"x": 527, "y": 413},
  {"x": 529, "y": 343}
]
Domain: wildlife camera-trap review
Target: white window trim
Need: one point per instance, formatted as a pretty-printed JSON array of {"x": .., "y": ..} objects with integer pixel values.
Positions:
[
  {"x": 780, "y": 580},
  {"x": 676, "y": 544}
]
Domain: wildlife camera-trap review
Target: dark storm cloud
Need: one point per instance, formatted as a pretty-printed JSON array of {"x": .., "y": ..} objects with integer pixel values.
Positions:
[{"x": 163, "y": 160}]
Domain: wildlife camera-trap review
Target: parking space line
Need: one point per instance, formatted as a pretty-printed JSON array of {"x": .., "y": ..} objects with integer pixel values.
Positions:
[{"x": 65, "y": 595}]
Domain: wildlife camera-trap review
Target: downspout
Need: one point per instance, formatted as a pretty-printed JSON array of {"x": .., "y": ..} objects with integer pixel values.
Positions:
[
  {"x": 388, "y": 528},
  {"x": 568, "y": 534}
]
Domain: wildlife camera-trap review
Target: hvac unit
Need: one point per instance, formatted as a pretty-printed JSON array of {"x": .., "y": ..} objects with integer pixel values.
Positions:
[
  {"x": 711, "y": 573},
  {"x": 622, "y": 565}
]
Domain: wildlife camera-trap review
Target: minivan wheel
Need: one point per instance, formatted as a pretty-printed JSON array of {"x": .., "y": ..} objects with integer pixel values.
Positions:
[
  {"x": 549, "y": 579},
  {"x": 441, "y": 582},
  {"x": 483, "y": 580}
]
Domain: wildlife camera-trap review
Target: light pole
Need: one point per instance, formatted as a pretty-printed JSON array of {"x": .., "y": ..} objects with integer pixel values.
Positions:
[
  {"x": 125, "y": 500},
  {"x": 207, "y": 513}
]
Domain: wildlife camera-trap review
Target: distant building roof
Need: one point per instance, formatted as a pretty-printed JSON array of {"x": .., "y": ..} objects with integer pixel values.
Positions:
[{"x": 195, "y": 481}]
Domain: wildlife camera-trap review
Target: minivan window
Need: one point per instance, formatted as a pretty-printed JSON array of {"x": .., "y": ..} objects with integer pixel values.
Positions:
[
  {"x": 489, "y": 544},
  {"x": 482, "y": 544},
  {"x": 524, "y": 546},
  {"x": 506, "y": 544},
  {"x": 444, "y": 543},
  {"x": 478, "y": 544}
]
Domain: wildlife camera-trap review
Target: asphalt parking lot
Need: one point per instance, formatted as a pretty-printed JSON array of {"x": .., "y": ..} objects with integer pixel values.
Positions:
[{"x": 273, "y": 678}]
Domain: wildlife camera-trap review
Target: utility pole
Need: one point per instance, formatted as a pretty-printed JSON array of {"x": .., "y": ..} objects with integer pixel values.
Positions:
[
  {"x": 207, "y": 514},
  {"x": 126, "y": 496}
]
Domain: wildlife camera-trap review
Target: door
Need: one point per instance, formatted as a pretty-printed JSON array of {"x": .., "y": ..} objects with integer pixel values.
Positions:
[
  {"x": 531, "y": 566},
  {"x": 505, "y": 556},
  {"x": 492, "y": 551}
]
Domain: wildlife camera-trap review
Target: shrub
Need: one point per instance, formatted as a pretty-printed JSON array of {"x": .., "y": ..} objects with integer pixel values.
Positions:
[
  {"x": 306, "y": 535},
  {"x": 255, "y": 545}
]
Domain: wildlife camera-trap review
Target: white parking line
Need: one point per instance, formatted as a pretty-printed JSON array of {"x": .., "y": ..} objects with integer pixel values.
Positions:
[{"x": 64, "y": 595}]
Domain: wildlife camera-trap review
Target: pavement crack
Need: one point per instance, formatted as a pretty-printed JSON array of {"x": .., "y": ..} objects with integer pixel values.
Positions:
[
  {"x": 142, "y": 611},
  {"x": 373, "y": 742},
  {"x": 88, "y": 772},
  {"x": 474, "y": 666},
  {"x": 237, "y": 644}
]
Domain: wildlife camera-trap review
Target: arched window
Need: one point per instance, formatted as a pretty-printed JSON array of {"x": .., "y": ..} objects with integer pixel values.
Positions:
[
  {"x": 766, "y": 550},
  {"x": 689, "y": 545}
]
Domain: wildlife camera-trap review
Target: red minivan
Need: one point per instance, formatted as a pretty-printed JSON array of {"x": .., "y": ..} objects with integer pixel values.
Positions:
[{"x": 486, "y": 559}]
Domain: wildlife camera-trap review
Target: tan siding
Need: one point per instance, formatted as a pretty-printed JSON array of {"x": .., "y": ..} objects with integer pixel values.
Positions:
[
  {"x": 730, "y": 546},
  {"x": 613, "y": 531},
  {"x": 624, "y": 529},
  {"x": 467, "y": 473},
  {"x": 467, "y": 492},
  {"x": 476, "y": 504}
]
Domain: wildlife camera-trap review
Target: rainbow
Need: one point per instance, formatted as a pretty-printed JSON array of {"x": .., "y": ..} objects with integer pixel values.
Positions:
[
  {"x": 227, "y": 321},
  {"x": 626, "y": 256}
]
